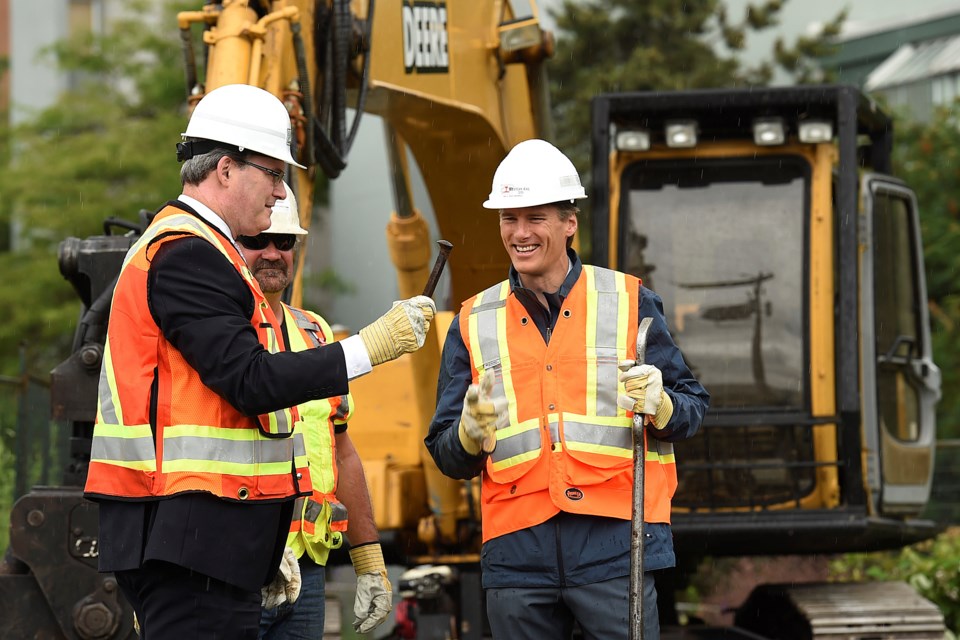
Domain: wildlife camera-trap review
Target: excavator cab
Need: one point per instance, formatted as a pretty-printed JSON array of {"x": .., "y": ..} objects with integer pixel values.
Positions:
[{"x": 791, "y": 271}]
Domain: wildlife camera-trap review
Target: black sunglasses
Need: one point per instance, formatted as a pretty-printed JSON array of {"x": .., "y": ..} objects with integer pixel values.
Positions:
[{"x": 282, "y": 241}]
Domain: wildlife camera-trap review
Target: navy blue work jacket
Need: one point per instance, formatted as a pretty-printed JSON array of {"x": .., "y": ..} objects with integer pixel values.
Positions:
[{"x": 568, "y": 549}]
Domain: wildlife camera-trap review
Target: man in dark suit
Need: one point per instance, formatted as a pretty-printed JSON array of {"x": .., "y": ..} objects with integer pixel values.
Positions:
[{"x": 196, "y": 457}]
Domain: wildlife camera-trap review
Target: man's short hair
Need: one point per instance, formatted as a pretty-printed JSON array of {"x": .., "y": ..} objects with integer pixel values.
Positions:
[
  {"x": 196, "y": 169},
  {"x": 566, "y": 208}
]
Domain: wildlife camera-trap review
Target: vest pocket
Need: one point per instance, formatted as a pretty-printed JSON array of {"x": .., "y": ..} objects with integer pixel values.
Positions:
[{"x": 580, "y": 471}]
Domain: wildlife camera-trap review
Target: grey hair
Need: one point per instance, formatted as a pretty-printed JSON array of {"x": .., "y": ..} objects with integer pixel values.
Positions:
[{"x": 196, "y": 169}]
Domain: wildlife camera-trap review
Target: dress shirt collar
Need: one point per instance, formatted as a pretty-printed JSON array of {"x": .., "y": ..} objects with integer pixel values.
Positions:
[{"x": 209, "y": 216}]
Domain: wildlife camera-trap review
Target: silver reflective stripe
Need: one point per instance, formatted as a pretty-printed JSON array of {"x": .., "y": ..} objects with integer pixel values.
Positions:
[
  {"x": 338, "y": 512},
  {"x": 554, "y": 428},
  {"x": 115, "y": 449},
  {"x": 311, "y": 327},
  {"x": 298, "y": 509},
  {"x": 107, "y": 411},
  {"x": 488, "y": 304},
  {"x": 516, "y": 445},
  {"x": 343, "y": 409},
  {"x": 313, "y": 510},
  {"x": 273, "y": 346},
  {"x": 299, "y": 444},
  {"x": 222, "y": 450},
  {"x": 608, "y": 339},
  {"x": 598, "y": 434}
]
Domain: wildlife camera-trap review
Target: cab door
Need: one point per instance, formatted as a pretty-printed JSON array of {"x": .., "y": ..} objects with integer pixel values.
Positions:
[{"x": 901, "y": 384}]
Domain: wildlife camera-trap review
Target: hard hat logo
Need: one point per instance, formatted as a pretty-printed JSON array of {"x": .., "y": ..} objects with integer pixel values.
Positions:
[
  {"x": 511, "y": 191},
  {"x": 534, "y": 173},
  {"x": 245, "y": 117}
]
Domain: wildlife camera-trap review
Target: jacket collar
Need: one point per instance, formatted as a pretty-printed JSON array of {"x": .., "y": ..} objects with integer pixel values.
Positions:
[{"x": 555, "y": 299}]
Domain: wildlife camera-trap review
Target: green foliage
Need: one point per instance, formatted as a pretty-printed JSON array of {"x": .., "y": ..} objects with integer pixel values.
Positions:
[
  {"x": 103, "y": 149},
  {"x": 927, "y": 157},
  {"x": 631, "y": 45},
  {"x": 931, "y": 567}
]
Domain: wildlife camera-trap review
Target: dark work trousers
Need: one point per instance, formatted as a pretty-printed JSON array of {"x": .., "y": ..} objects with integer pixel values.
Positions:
[
  {"x": 601, "y": 608},
  {"x": 174, "y": 603}
]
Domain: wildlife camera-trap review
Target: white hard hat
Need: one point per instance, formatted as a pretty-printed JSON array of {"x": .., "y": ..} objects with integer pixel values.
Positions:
[
  {"x": 246, "y": 117},
  {"x": 534, "y": 172},
  {"x": 285, "y": 217}
]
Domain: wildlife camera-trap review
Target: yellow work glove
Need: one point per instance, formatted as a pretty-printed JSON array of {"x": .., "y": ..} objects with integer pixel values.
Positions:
[
  {"x": 374, "y": 594},
  {"x": 401, "y": 330},
  {"x": 482, "y": 415},
  {"x": 643, "y": 385},
  {"x": 285, "y": 586}
]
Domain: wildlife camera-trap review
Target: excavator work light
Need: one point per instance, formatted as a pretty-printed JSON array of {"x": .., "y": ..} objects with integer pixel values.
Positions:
[
  {"x": 681, "y": 133},
  {"x": 769, "y": 131},
  {"x": 813, "y": 131},
  {"x": 633, "y": 140}
]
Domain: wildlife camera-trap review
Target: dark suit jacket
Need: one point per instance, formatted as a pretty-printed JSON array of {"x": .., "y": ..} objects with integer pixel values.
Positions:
[{"x": 203, "y": 307}]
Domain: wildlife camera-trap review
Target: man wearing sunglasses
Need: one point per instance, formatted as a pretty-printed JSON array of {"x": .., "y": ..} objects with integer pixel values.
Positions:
[
  {"x": 340, "y": 502},
  {"x": 197, "y": 454}
]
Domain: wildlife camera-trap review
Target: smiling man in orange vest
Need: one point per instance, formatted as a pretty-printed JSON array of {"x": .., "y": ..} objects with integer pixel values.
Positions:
[
  {"x": 530, "y": 398},
  {"x": 196, "y": 459}
]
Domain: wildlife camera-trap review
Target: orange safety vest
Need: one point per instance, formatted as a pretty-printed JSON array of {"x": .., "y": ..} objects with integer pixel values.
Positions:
[
  {"x": 568, "y": 446},
  {"x": 196, "y": 441},
  {"x": 319, "y": 520}
]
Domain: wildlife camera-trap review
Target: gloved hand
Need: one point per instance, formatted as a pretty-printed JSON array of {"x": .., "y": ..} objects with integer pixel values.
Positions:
[
  {"x": 374, "y": 593},
  {"x": 644, "y": 394},
  {"x": 401, "y": 330},
  {"x": 285, "y": 586},
  {"x": 482, "y": 416}
]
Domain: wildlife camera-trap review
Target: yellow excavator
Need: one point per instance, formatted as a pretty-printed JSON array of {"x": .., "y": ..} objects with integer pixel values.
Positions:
[{"x": 789, "y": 262}]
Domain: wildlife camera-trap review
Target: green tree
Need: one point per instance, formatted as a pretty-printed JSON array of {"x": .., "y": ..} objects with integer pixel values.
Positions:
[
  {"x": 927, "y": 157},
  {"x": 639, "y": 45},
  {"x": 103, "y": 149}
]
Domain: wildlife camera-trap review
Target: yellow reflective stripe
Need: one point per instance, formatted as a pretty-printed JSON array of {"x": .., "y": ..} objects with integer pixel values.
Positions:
[
  {"x": 506, "y": 382},
  {"x": 601, "y": 449},
  {"x": 515, "y": 460},
  {"x": 507, "y": 387},
  {"x": 302, "y": 321},
  {"x": 176, "y": 222},
  {"x": 108, "y": 410},
  {"x": 663, "y": 451},
  {"x": 487, "y": 334},
  {"x": 653, "y": 456},
  {"x": 227, "y": 468},
  {"x": 279, "y": 420},
  {"x": 126, "y": 446},
  {"x": 213, "y": 433},
  {"x": 623, "y": 330},
  {"x": 130, "y": 431},
  {"x": 515, "y": 429}
]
